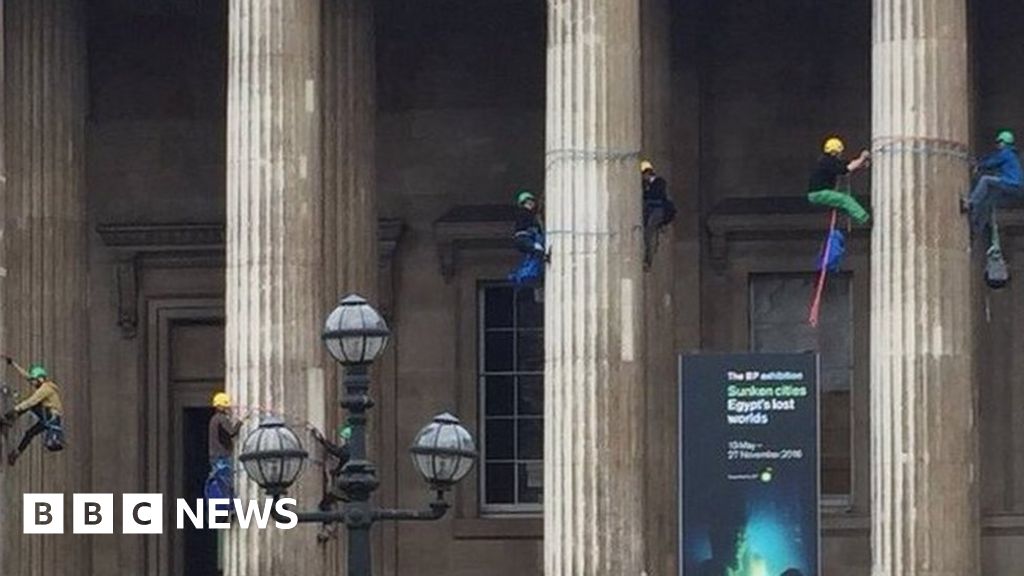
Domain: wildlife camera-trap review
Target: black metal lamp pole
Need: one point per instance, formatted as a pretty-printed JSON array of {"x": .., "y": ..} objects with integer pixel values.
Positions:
[
  {"x": 358, "y": 481},
  {"x": 443, "y": 452}
]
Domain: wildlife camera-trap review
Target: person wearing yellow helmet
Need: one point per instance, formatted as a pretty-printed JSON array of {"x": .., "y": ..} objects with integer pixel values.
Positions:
[
  {"x": 658, "y": 208},
  {"x": 1000, "y": 180},
  {"x": 223, "y": 429},
  {"x": 45, "y": 404},
  {"x": 825, "y": 177}
]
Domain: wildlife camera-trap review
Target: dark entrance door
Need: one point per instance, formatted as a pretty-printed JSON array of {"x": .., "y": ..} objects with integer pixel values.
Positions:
[{"x": 200, "y": 553}]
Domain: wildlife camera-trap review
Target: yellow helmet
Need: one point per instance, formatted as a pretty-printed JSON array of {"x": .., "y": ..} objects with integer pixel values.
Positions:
[
  {"x": 834, "y": 146},
  {"x": 221, "y": 400},
  {"x": 645, "y": 165}
]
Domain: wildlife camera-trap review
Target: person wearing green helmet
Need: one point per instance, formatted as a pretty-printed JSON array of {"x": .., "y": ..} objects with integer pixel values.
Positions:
[
  {"x": 337, "y": 451},
  {"x": 529, "y": 234},
  {"x": 45, "y": 404},
  {"x": 999, "y": 181},
  {"x": 529, "y": 240}
]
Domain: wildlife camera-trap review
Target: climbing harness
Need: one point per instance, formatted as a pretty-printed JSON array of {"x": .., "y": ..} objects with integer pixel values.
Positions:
[{"x": 53, "y": 436}]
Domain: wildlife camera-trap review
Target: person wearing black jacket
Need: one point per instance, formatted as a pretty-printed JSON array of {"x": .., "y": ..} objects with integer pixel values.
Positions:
[
  {"x": 658, "y": 211},
  {"x": 529, "y": 232}
]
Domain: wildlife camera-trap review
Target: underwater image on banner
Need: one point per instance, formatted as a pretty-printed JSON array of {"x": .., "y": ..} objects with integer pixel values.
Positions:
[{"x": 749, "y": 471}]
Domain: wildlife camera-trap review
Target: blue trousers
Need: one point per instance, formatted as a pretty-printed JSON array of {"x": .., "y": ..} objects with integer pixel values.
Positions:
[
  {"x": 221, "y": 481},
  {"x": 989, "y": 193}
]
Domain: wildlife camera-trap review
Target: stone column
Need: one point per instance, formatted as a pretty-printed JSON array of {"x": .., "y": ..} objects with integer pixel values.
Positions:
[
  {"x": 923, "y": 444},
  {"x": 274, "y": 312},
  {"x": 46, "y": 256},
  {"x": 349, "y": 191},
  {"x": 593, "y": 465}
]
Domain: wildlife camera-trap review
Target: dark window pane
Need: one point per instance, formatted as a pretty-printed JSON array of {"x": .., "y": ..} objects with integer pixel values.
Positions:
[
  {"x": 531, "y": 483},
  {"x": 530, "y": 352},
  {"x": 501, "y": 481},
  {"x": 529, "y": 312},
  {"x": 531, "y": 395},
  {"x": 531, "y": 438},
  {"x": 500, "y": 439},
  {"x": 498, "y": 352},
  {"x": 498, "y": 307},
  {"x": 499, "y": 395}
]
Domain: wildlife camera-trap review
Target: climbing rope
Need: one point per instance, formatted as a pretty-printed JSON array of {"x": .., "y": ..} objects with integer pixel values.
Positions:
[
  {"x": 823, "y": 274},
  {"x": 597, "y": 154},
  {"x": 922, "y": 146}
]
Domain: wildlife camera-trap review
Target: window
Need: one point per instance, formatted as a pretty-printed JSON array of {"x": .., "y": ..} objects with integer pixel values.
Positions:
[
  {"x": 511, "y": 392},
  {"x": 778, "y": 323}
]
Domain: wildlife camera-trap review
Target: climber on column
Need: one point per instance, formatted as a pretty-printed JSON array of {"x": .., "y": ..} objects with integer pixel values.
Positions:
[
  {"x": 1000, "y": 181},
  {"x": 823, "y": 181},
  {"x": 45, "y": 404},
  {"x": 223, "y": 430},
  {"x": 659, "y": 210},
  {"x": 338, "y": 452},
  {"x": 529, "y": 240}
]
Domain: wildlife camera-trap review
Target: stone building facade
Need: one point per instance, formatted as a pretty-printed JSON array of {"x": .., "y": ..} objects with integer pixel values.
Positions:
[{"x": 190, "y": 185}]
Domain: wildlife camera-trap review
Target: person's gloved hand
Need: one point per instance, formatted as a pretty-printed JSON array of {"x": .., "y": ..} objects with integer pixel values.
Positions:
[
  {"x": 10, "y": 415},
  {"x": 9, "y": 360}
]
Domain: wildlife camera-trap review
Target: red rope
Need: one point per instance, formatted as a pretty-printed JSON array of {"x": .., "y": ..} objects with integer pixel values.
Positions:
[{"x": 820, "y": 289}]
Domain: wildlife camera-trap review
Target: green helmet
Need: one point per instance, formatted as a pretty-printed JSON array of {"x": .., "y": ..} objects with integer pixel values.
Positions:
[
  {"x": 1005, "y": 137},
  {"x": 36, "y": 371},
  {"x": 523, "y": 196},
  {"x": 345, "y": 432}
]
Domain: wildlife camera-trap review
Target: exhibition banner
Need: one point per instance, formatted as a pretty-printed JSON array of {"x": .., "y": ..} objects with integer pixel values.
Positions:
[{"x": 749, "y": 471}]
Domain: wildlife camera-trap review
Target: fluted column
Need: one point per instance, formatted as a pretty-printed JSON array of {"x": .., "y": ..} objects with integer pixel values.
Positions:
[
  {"x": 923, "y": 445},
  {"x": 350, "y": 201},
  {"x": 349, "y": 191},
  {"x": 593, "y": 509},
  {"x": 273, "y": 351},
  {"x": 45, "y": 242}
]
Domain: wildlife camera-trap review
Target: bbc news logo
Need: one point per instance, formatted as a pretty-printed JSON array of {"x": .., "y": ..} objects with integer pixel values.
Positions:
[{"x": 144, "y": 514}]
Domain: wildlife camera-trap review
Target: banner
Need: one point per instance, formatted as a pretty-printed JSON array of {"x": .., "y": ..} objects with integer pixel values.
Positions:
[{"x": 749, "y": 471}]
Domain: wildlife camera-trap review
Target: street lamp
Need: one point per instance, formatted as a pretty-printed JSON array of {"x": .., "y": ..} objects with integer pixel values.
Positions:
[
  {"x": 355, "y": 334},
  {"x": 443, "y": 452},
  {"x": 273, "y": 456}
]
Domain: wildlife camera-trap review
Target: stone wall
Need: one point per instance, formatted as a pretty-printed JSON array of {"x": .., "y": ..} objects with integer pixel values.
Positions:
[{"x": 461, "y": 100}]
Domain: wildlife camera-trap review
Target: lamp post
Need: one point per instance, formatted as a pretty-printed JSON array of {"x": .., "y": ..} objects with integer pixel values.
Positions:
[{"x": 443, "y": 451}]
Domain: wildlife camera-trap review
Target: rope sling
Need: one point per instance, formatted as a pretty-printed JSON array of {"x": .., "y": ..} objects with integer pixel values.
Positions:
[{"x": 997, "y": 273}]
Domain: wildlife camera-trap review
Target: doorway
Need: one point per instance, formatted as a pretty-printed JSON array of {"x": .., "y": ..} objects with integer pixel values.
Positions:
[
  {"x": 196, "y": 347},
  {"x": 186, "y": 350}
]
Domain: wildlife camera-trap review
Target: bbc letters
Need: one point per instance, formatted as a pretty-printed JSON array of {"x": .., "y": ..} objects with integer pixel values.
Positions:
[{"x": 144, "y": 514}]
